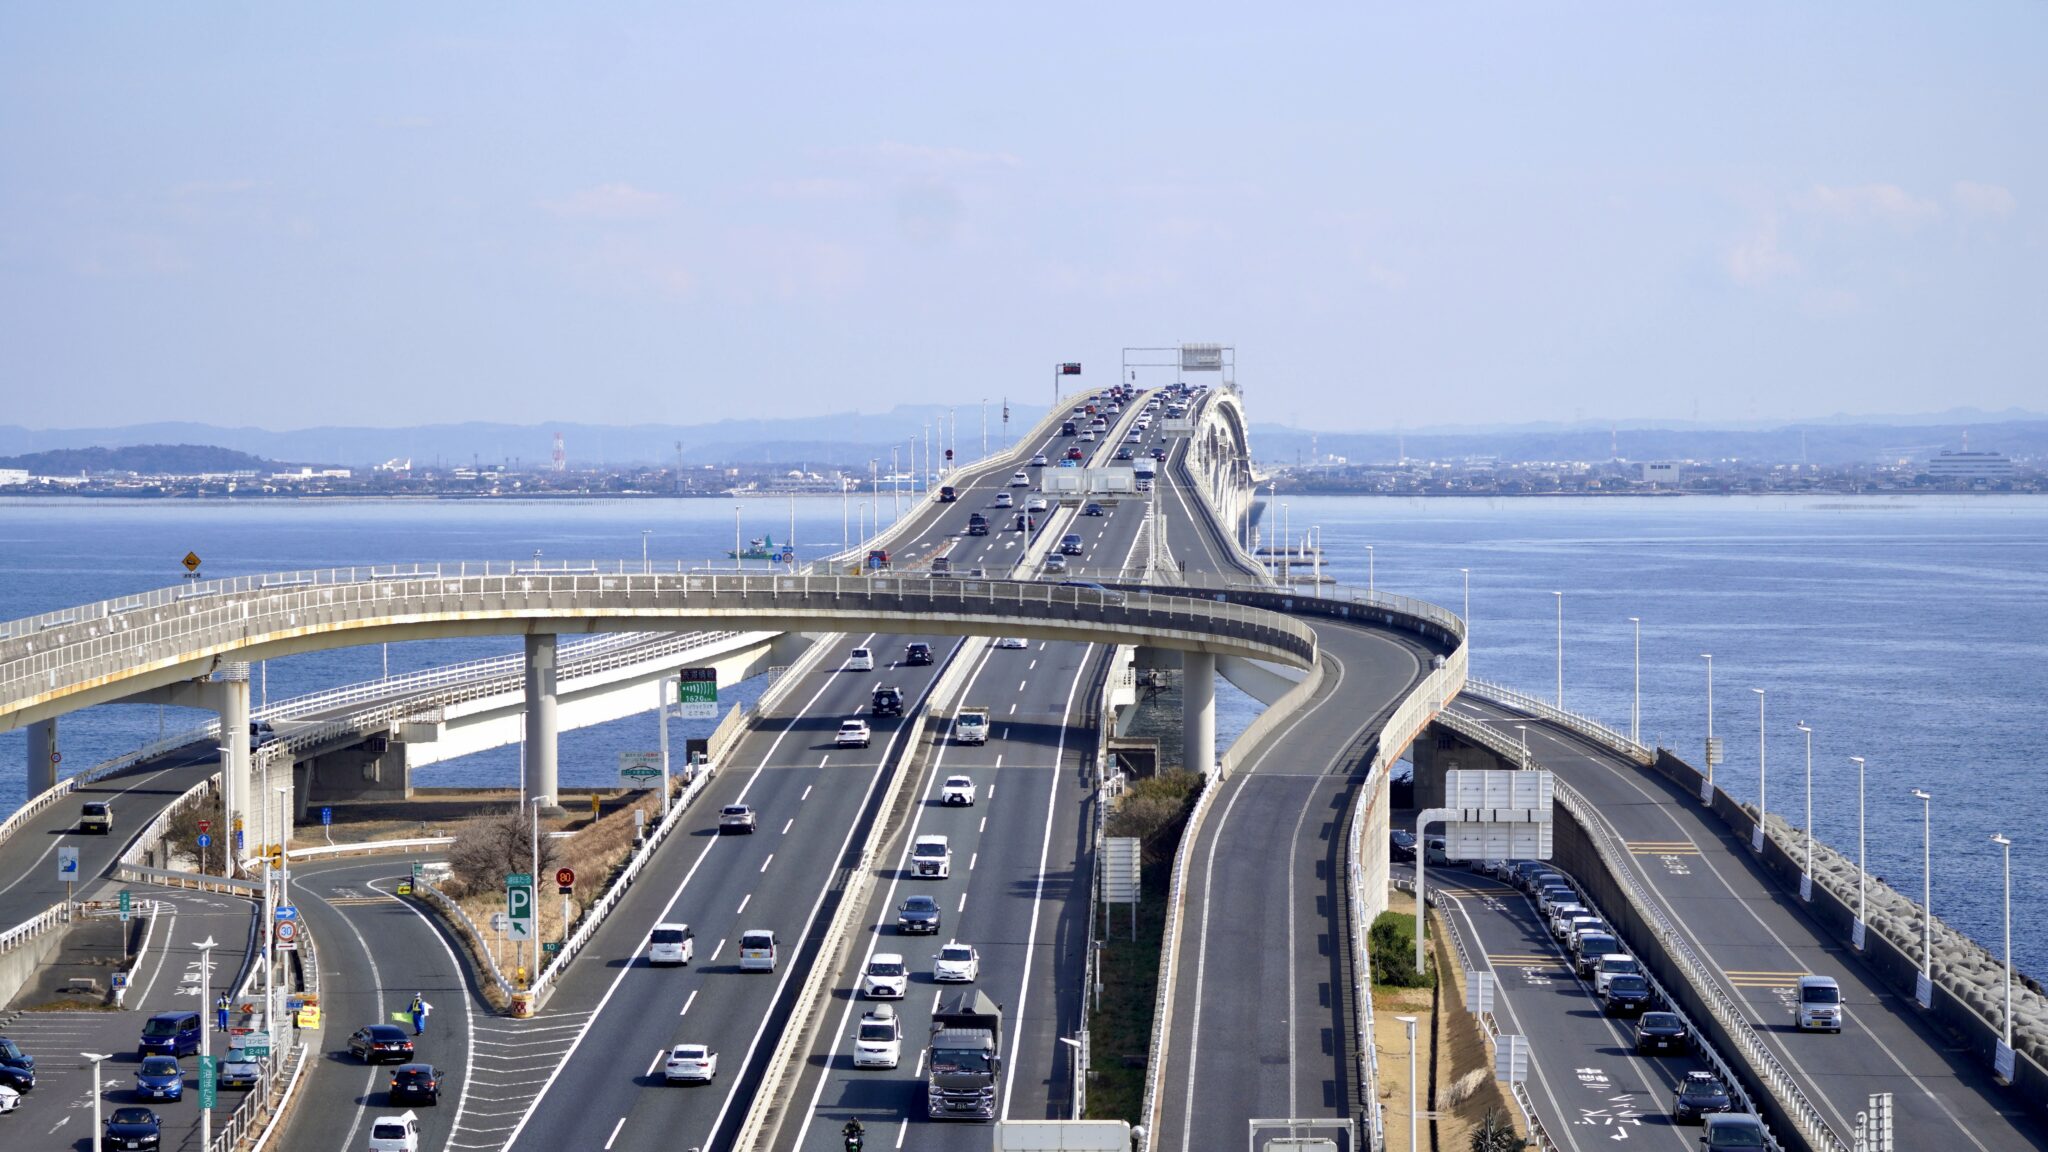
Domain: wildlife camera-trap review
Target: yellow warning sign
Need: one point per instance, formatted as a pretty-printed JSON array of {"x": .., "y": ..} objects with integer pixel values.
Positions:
[{"x": 191, "y": 561}]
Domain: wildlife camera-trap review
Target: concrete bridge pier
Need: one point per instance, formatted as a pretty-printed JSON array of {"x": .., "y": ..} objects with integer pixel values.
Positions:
[
  {"x": 42, "y": 756},
  {"x": 1198, "y": 711},
  {"x": 230, "y": 699},
  {"x": 541, "y": 720}
]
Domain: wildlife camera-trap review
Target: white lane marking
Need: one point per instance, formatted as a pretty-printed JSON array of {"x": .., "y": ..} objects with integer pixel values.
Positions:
[
  {"x": 1033, "y": 666},
  {"x": 999, "y": 760},
  {"x": 348, "y": 1142},
  {"x": 972, "y": 860},
  {"x": 615, "y": 1134},
  {"x": 786, "y": 824},
  {"x": 658, "y": 1054},
  {"x": 686, "y": 1003},
  {"x": 1020, "y": 685},
  {"x": 807, "y": 790},
  {"x": 1052, "y": 807},
  {"x": 768, "y": 861},
  {"x": 984, "y": 826},
  {"x": 1209, "y": 882},
  {"x": 903, "y": 1130},
  {"x": 720, "y": 946},
  {"x": 468, "y": 1013},
  {"x": 933, "y": 772},
  {"x": 963, "y": 903},
  {"x": 743, "y": 903},
  {"x": 666, "y": 909},
  {"x": 1013, "y": 710},
  {"x": 874, "y": 782}
]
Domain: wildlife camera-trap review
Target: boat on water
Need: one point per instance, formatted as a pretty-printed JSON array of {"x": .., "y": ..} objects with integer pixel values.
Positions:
[{"x": 759, "y": 548}]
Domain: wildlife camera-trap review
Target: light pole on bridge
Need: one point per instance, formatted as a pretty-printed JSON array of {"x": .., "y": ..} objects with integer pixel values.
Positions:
[{"x": 1924, "y": 992}]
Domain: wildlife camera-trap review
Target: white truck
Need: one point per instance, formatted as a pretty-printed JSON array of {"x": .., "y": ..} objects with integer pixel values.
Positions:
[
  {"x": 970, "y": 725},
  {"x": 931, "y": 858}
]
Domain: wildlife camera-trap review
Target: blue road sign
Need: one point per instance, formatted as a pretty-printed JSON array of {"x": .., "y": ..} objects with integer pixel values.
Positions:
[
  {"x": 327, "y": 815},
  {"x": 238, "y": 839},
  {"x": 206, "y": 840},
  {"x": 287, "y": 912}
]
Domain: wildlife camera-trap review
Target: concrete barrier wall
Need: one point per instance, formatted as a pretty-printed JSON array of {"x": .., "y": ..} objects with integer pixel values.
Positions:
[{"x": 19, "y": 963}]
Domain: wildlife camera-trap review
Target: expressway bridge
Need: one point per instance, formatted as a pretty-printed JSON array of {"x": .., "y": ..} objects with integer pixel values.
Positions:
[{"x": 1370, "y": 675}]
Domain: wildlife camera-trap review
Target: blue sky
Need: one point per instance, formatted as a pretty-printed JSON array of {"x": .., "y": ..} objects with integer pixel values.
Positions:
[{"x": 1400, "y": 215}]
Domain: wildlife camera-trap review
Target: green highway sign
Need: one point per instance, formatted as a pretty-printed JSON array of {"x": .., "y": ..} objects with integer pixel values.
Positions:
[
  {"x": 550, "y": 947},
  {"x": 519, "y": 905},
  {"x": 639, "y": 769},
  {"x": 697, "y": 694},
  {"x": 127, "y": 903},
  {"x": 209, "y": 1082}
]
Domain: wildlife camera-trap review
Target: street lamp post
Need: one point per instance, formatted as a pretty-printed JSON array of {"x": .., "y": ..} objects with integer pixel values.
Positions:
[
  {"x": 2005, "y": 1055},
  {"x": 661, "y": 697},
  {"x": 97, "y": 1124},
  {"x": 644, "y": 534},
  {"x": 1560, "y": 650},
  {"x": 1635, "y": 711},
  {"x": 1862, "y": 873},
  {"x": 1467, "y": 572},
  {"x": 1923, "y": 990},
  {"x": 737, "y": 551},
  {"x": 1806, "y": 874},
  {"x": 1707, "y": 786},
  {"x": 1756, "y": 835},
  {"x": 1414, "y": 1121},
  {"x": 1372, "y": 580}
]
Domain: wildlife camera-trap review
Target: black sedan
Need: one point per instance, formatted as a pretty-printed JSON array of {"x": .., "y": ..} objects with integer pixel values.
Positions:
[
  {"x": 380, "y": 1042},
  {"x": 1700, "y": 1093},
  {"x": 1402, "y": 847},
  {"x": 416, "y": 1083},
  {"x": 20, "y": 1079},
  {"x": 1093, "y": 509},
  {"x": 132, "y": 1128},
  {"x": 1626, "y": 996},
  {"x": 1659, "y": 1033}
]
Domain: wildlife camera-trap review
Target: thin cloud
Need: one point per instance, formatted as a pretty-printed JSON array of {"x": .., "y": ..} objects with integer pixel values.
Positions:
[
  {"x": 1869, "y": 203},
  {"x": 609, "y": 202},
  {"x": 1985, "y": 201},
  {"x": 1757, "y": 259}
]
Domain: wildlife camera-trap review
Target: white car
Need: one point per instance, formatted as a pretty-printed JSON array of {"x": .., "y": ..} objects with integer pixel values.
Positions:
[
  {"x": 1056, "y": 563},
  {"x": 10, "y": 1099},
  {"x": 1036, "y": 504},
  {"x": 879, "y": 1043},
  {"x": 887, "y": 977},
  {"x": 956, "y": 963},
  {"x": 1038, "y": 460},
  {"x": 1611, "y": 965},
  {"x": 1012, "y": 642},
  {"x": 958, "y": 790},
  {"x": 861, "y": 660},
  {"x": 1005, "y": 500},
  {"x": 1134, "y": 437},
  {"x": 671, "y": 944},
  {"x": 395, "y": 1133},
  {"x": 854, "y": 734},
  {"x": 1020, "y": 480},
  {"x": 690, "y": 1062},
  {"x": 1088, "y": 434}
]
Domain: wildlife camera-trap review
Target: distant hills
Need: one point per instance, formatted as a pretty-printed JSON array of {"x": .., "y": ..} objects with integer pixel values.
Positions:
[
  {"x": 842, "y": 439},
  {"x": 851, "y": 439},
  {"x": 173, "y": 459}
]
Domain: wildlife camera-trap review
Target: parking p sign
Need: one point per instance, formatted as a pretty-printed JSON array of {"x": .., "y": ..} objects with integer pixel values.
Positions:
[{"x": 519, "y": 905}]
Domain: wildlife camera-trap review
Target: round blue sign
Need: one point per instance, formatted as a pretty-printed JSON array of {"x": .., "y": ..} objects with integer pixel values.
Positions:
[{"x": 205, "y": 840}]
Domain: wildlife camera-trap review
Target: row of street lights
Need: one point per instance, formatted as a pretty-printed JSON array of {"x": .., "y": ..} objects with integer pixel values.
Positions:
[{"x": 1757, "y": 834}]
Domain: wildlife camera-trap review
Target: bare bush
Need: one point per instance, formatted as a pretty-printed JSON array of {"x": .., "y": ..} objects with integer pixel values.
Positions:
[{"x": 491, "y": 847}]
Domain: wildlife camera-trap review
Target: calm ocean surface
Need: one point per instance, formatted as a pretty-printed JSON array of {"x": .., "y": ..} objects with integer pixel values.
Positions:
[{"x": 1912, "y": 632}]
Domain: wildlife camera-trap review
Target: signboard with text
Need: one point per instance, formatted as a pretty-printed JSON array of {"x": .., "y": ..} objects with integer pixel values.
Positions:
[
  {"x": 519, "y": 905},
  {"x": 638, "y": 769},
  {"x": 697, "y": 694}
]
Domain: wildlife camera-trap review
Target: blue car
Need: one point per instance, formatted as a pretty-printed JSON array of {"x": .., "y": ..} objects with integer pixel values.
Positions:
[{"x": 160, "y": 1078}]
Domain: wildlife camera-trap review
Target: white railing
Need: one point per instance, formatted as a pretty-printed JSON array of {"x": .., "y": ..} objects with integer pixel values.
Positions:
[
  {"x": 469, "y": 928},
  {"x": 1811, "y": 1125},
  {"x": 591, "y": 651},
  {"x": 1583, "y": 725},
  {"x": 52, "y": 917}
]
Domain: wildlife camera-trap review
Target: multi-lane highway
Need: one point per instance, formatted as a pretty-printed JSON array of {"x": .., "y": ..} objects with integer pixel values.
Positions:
[{"x": 1757, "y": 944}]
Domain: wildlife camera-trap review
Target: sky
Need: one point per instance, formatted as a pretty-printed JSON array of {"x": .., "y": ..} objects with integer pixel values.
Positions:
[{"x": 292, "y": 215}]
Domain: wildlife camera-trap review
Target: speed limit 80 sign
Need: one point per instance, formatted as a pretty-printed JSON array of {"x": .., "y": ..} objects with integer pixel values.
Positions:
[{"x": 565, "y": 879}]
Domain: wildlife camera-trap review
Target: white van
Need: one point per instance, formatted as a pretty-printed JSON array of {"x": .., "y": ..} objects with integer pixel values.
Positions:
[
  {"x": 671, "y": 944},
  {"x": 861, "y": 660},
  {"x": 1820, "y": 1003},
  {"x": 757, "y": 950}
]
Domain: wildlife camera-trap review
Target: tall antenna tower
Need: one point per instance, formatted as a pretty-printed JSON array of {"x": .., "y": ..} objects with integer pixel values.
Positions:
[{"x": 561, "y": 458}]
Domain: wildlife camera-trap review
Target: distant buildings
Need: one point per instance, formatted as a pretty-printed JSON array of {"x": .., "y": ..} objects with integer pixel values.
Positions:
[
  {"x": 12, "y": 476},
  {"x": 1661, "y": 472},
  {"x": 1970, "y": 466}
]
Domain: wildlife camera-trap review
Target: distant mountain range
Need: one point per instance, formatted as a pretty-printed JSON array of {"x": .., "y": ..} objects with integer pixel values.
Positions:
[
  {"x": 1826, "y": 444},
  {"x": 851, "y": 439},
  {"x": 843, "y": 439}
]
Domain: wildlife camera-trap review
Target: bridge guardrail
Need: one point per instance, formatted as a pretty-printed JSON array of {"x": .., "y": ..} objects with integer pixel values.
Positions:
[
  {"x": 29, "y": 672},
  {"x": 51, "y": 917},
  {"x": 1583, "y": 725}
]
